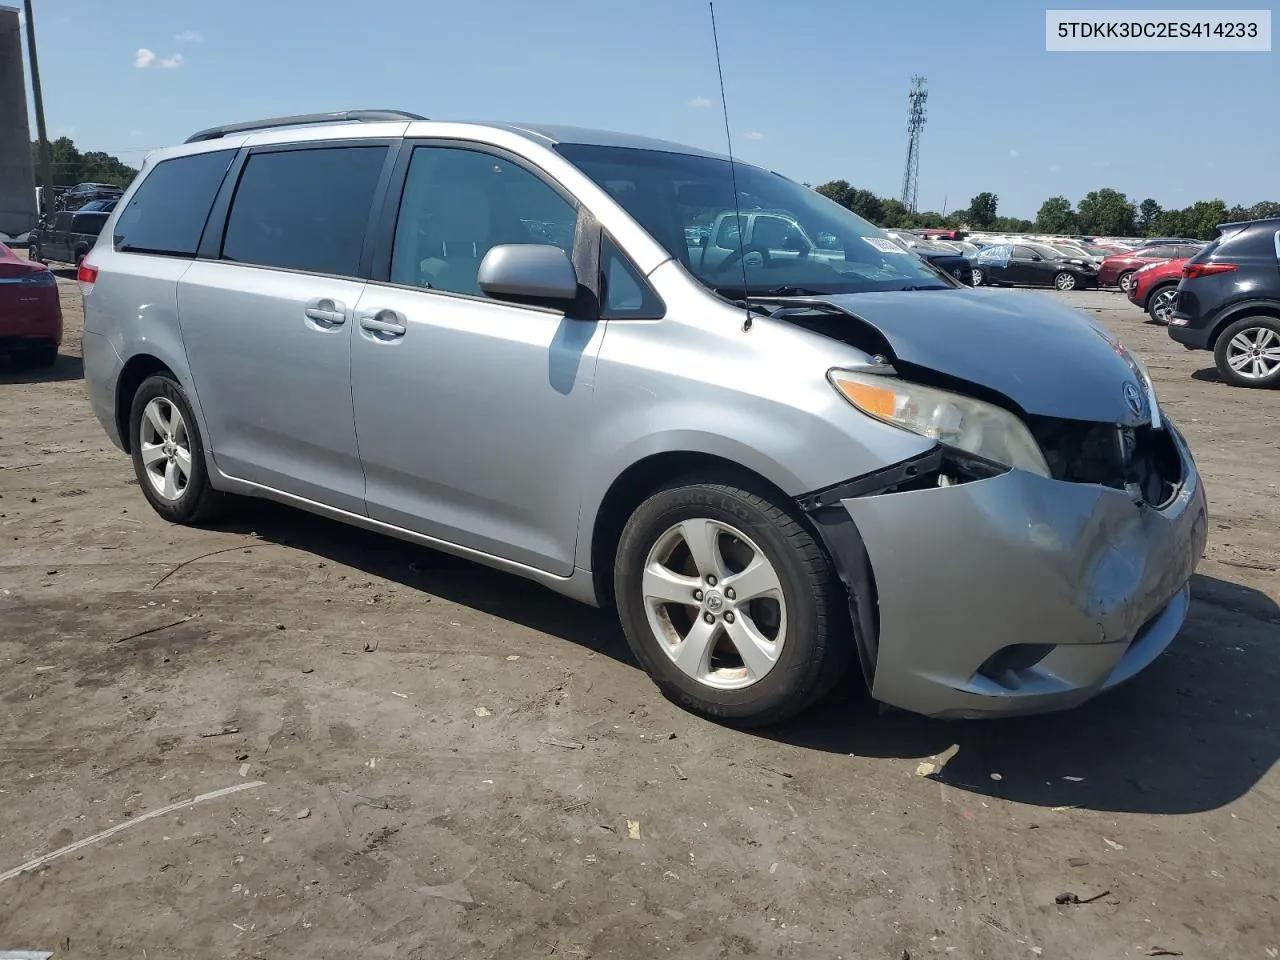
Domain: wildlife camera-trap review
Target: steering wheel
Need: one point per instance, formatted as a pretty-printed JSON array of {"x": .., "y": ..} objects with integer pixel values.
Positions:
[{"x": 740, "y": 254}]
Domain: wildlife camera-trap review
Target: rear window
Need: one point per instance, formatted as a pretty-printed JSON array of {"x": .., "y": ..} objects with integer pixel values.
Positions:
[
  {"x": 90, "y": 223},
  {"x": 167, "y": 213},
  {"x": 1257, "y": 241},
  {"x": 304, "y": 209}
]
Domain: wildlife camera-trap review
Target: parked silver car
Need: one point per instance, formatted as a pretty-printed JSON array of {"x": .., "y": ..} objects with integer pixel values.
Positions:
[{"x": 500, "y": 341}]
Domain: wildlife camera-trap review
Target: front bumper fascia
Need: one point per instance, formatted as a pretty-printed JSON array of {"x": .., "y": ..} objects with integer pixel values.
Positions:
[{"x": 944, "y": 579}]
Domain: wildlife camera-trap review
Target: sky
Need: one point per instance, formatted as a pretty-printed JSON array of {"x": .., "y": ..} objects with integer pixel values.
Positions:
[{"x": 816, "y": 89}]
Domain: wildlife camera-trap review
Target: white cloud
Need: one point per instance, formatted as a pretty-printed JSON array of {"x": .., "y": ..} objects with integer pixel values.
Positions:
[
  {"x": 1055, "y": 168},
  {"x": 753, "y": 135},
  {"x": 171, "y": 63},
  {"x": 1013, "y": 153},
  {"x": 143, "y": 58},
  {"x": 699, "y": 103},
  {"x": 1210, "y": 164},
  {"x": 188, "y": 36}
]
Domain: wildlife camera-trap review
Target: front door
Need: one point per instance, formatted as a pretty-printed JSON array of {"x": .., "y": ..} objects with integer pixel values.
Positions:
[
  {"x": 268, "y": 328},
  {"x": 59, "y": 247},
  {"x": 469, "y": 412}
]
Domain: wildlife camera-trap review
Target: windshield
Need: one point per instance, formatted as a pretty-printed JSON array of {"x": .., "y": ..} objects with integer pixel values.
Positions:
[{"x": 784, "y": 238}]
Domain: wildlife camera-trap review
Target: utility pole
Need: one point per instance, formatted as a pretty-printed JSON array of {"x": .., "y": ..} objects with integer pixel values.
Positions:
[
  {"x": 916, "y": 99},
  {"x": 46, "y": 170}
]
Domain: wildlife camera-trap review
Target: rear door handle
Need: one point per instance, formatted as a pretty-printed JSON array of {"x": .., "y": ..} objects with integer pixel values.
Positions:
[
  {"x": 386, "y": 323},
  {"x": 326, "y": 312}
]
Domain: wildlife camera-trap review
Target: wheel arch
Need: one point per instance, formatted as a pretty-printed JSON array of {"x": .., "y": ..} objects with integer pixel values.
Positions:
[
  {"x": 1156, "y": 288},
  {"x": 1238, "y": 311},
  {"x": 641, "y": 478},
  {"x": 138, "y": 368}
]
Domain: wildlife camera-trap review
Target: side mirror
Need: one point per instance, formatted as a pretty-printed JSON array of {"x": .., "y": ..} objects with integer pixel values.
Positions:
[{"x": 537, "y": 273}]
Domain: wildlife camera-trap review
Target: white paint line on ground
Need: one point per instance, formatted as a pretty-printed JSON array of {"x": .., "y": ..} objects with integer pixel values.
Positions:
[{"x": 132, "y": 822}]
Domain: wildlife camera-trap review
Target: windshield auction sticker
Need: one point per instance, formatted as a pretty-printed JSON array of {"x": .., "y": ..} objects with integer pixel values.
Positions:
[
  {"x": 883, "y": 245},
  {"x": 1129, "y": 31}
]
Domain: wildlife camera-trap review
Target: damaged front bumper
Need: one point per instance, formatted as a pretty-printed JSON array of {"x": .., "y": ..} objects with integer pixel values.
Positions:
[{"x": 1013, "y": 593}]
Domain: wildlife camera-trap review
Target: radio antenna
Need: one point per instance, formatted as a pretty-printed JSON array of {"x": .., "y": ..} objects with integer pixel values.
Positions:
[{"x": 733, "y": 174}]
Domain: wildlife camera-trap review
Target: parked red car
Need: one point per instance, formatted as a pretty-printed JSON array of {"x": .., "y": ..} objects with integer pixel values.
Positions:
[
  {"x": 1155, "y": 288},
  {"x": 1119, "y": 269},
  {"x": 30, "y": 313}
]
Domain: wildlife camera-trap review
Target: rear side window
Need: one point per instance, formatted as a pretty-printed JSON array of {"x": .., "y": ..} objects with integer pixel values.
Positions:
[
  {"x": 304, "y": 209},
  {"x": 166, "y": 214}
]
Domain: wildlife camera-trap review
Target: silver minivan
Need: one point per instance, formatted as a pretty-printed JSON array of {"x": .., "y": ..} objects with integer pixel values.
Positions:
[{"x": 526, "y": 346}]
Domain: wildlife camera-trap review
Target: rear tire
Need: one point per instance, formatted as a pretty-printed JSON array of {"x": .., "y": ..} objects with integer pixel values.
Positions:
[
  {"x": 1125, "y": 281},
  {"x": 1247, "y": 353},
  {"x": 168, "y": 453},
  {"x": 793, "y": 624},
  {"x": 1065, "y": 281},
  {"x": 977, "y": 277},
  {"x": 34, "y": 253}
]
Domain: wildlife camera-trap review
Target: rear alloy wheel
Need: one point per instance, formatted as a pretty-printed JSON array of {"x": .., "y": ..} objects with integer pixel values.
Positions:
[
  {"x": 1125, "y": 280},
  {"x": 33, "y": 253},
  {"x": 1160, "y": 304},
  {"x": 729, "y": 603},
  {"x": 1248, "y": 352},
  {"x": 1065, "y": 281},
  {"x": 168, "y": 455},
  {"x": 977, "y": 277}
]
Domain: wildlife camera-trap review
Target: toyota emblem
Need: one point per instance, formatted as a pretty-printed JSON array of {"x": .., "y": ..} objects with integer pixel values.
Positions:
[{"x": 1133, "y": 397}]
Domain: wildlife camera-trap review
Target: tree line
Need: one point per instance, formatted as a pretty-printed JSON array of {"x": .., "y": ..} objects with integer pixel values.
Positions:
[
  {"x": 1105, "y": 212},
  {"x": 70, "y": 166}
]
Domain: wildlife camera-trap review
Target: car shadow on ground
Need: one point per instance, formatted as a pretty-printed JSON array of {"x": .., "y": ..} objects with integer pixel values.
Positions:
[
  {"x": 419, "y": 568},
  {"x": 15, "y": 370},
  {"x": 1193, "y": 732},
  {"x": 1208, "y": 375}
]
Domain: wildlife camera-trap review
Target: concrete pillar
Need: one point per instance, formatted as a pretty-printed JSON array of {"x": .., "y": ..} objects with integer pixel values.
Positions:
[{"x": 17, "y": 173}]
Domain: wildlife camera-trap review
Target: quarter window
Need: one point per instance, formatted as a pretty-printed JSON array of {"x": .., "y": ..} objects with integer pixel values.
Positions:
[
  {"x": 304, "y": 209},
  {"x": 458, "y": 204},
  {"x": 167, "y": 213},
  {"x": 624, "y": 293}
]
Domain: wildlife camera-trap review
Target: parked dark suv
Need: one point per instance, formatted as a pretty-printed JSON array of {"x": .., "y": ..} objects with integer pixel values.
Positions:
[
  {"x": 66, "y": 236},
  {"x": 1229, "y": 302}
]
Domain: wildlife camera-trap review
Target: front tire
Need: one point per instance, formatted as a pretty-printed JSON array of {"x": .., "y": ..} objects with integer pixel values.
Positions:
[
  {"x": 1160, "y": 303},
  {"x": 1065, "y": 281},
  {"x": 729, "y": 603},
  {"x": 168, "y": 453},
  {"x": 1248, "y": 352}
]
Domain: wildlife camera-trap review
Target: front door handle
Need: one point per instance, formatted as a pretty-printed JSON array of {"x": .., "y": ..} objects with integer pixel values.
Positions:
[
  {"x": 326, "y": 312},
  {"x": 386, "y": 323}
]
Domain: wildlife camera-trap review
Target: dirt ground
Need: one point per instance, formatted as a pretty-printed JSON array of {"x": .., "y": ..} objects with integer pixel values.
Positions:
[{"x": 456, "y": 763}]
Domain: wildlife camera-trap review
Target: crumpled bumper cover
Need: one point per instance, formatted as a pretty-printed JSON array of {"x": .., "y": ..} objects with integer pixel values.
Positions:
[{"x": 961, "y": 573}]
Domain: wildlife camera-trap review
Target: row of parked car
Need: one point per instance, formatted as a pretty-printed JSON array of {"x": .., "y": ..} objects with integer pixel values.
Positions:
[{"x": 1223, "y": 297}]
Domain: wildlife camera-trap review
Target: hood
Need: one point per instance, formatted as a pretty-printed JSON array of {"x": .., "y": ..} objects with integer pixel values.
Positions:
[{"x": 1046, "y": 357}]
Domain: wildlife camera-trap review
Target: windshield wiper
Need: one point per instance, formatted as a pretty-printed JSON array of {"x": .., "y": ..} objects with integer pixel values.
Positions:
[{"x": 928, "y": 286}]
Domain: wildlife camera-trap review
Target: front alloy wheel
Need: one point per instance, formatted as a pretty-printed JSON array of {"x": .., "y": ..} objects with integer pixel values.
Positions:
[
  {"x": 714, "y": 603},
  {"x": 1160, "y": 307},
  {"x": 1065, "y": 281},
  {"x": 728, "y": 601}
]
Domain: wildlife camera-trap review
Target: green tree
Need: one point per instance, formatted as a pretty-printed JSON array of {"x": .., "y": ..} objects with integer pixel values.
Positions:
[
  {"x": 1171, "y": 223},
  {"x": 1264, "y": 210},
  {"x": 837, "y": 190},
  {"x": 893, "y": 213},
  {"x": 1107, "y": 212},
  {"x": 1148, "y": 210},
  {"x": 862, "y": 202},
  {"x": 1056, "y": 216},
  {"x": 70, "y": 166},
  {"x": 982, "y": 210},
  {"x": 1203, "y": 217},
  {"x": 1012, "y": 225}
]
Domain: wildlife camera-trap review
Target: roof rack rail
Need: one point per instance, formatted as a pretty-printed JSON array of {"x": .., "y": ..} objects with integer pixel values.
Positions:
[{"x": 340, "y": 116}]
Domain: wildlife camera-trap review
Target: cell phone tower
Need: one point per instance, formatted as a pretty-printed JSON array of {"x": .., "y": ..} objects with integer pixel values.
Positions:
[{"x": 915, "y": 124}]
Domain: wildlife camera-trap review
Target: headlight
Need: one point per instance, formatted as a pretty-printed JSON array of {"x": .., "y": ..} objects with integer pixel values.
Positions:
[{"x": 971, "y": 425}]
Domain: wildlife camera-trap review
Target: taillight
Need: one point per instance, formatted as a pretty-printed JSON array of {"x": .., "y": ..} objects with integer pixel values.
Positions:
[
  {"x": 86, "y": 276},
  {"x": 1191, "y": 271}
]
